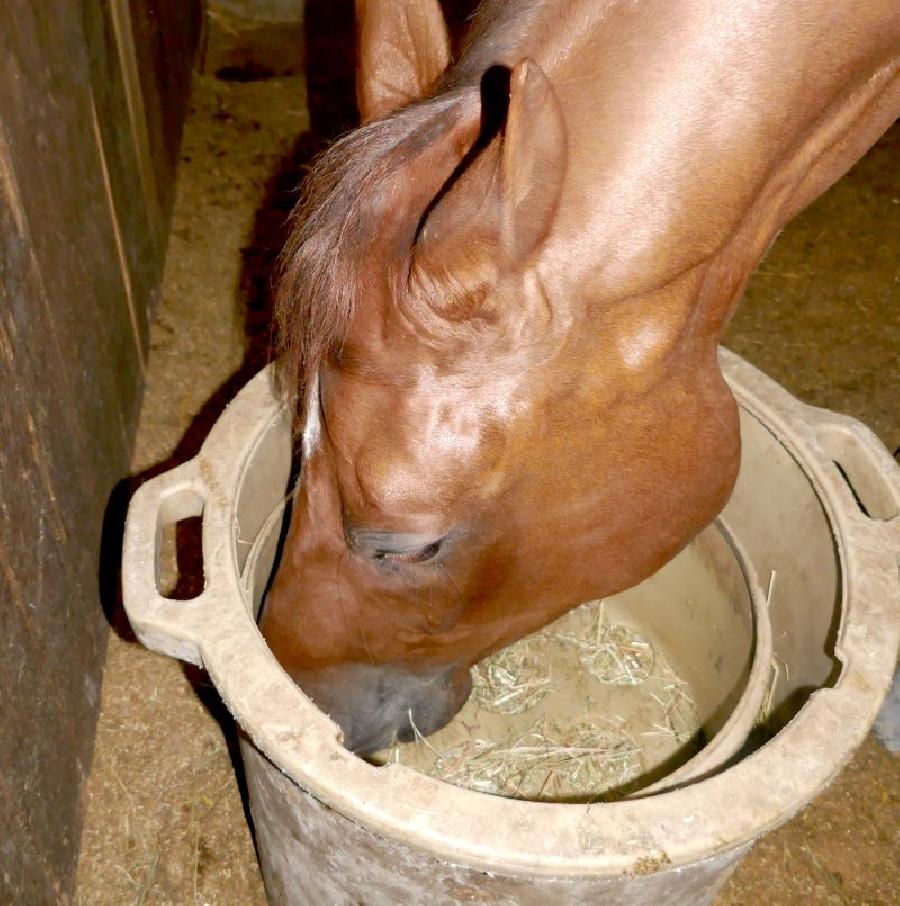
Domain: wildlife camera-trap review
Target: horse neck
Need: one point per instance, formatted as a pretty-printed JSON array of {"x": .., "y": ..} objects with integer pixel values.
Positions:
[{"x": 695, "y": 132}]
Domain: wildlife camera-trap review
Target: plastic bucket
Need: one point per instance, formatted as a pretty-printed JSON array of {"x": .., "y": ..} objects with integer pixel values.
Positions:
[{"x": 814, "y": 513}]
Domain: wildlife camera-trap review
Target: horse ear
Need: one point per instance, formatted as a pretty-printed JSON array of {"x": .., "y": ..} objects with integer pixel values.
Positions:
[
  {"x": 402, "y": 49},
  {"x": 417, "y": 172},
  {"x": 532, "y": 163},
  {"x": 499, "y": 210}
]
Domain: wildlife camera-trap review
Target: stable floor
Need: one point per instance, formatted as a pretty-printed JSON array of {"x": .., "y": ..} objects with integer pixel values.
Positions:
[{"x": 165, "y": 822}]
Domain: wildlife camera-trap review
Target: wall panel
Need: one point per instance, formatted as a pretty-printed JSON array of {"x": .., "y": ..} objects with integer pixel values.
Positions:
[{"x": 81, "y": 253}]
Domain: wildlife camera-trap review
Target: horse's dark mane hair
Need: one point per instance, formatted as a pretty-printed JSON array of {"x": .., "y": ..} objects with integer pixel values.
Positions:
[{"x": 334, "y": 221}]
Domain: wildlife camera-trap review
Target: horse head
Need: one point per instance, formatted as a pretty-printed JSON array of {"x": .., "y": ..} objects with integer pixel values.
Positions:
[
  {"x": 469, "y": 470},
  {"x": 492, "y": 431}
]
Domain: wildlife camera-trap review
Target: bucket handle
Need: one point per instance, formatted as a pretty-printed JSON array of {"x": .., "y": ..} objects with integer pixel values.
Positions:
[
  {"x": 870, "y": 478},
  {"x": 169, "y": 626}
]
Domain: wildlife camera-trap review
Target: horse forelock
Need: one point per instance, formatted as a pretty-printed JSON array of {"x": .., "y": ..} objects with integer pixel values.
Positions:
[{"x": 322, "y": 267}]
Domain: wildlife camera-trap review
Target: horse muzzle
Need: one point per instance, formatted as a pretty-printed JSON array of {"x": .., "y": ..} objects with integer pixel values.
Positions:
[{"x": 378, "y": 705}]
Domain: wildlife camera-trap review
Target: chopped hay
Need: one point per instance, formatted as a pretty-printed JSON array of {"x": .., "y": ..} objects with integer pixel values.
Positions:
[
  {"x": 584, "y": 710},
  {"x": 545, "y": 762},
  {"x": 510, "y": 682},
  {"x": 613, "y": 653},
  {"x": 678, "y": 713}
]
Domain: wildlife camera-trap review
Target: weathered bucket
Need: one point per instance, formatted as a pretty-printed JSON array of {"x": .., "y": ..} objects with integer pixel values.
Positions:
[{"x": 814, "y": 514}]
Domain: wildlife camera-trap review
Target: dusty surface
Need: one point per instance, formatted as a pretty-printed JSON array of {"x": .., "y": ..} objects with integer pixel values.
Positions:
[{"x": 164, "y": 819}]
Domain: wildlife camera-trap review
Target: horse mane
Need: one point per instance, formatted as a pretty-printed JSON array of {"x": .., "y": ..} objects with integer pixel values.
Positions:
[{"x": 335, "y": 219}]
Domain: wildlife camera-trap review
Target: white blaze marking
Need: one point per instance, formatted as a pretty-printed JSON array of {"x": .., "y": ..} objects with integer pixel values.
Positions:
[{"x": 312, "y": 429}]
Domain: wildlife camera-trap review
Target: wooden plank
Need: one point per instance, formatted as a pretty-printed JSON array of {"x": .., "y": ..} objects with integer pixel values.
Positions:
[
  {"x": 165, "y": 37},
  {"x": 52, "y": 631},
  {"x": 137, "y": 314},
  {"x": 120, "y": 17},
  {"x": 81, "y": 252},
  {"x": 137, "y": 219}
]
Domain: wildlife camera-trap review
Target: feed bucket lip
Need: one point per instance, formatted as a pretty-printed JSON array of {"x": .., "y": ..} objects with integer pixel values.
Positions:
[{"x": 527, "y": 838}]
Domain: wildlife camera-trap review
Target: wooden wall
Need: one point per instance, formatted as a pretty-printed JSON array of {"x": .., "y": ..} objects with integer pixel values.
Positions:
[{"x": 92, "y": 97}]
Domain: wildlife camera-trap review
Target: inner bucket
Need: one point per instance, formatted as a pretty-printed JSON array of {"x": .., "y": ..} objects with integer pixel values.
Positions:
[{"x": 655, "y": 686}]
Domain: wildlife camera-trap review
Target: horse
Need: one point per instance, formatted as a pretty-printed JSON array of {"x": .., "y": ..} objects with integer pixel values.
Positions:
[{"x": 499, "y": 309}]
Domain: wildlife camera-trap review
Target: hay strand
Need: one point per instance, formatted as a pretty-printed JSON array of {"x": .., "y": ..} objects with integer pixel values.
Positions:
[
  {"x": 545, "y": 762},
  {"x": 510, "y": 682}
]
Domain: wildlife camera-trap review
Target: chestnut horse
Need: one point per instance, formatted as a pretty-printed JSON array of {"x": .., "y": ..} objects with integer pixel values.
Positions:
[{"x": 500, "y": 307}]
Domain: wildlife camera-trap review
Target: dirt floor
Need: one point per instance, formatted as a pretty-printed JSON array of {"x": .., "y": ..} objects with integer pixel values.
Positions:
[{"x": 165, "y": 821}]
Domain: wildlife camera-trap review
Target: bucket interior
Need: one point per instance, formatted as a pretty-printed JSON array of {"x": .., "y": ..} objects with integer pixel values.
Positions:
[
  {"x": 696, "y": 614},
  {"x": 613, "y": 696}
]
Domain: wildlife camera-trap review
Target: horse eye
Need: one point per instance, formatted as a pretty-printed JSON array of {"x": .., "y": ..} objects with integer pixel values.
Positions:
[
  {"x": 389, "y": 547},
  {"x": 423, "y": 554}
]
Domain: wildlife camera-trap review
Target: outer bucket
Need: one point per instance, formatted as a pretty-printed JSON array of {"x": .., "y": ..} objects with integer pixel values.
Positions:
[{"x": 816, "y": 506}]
